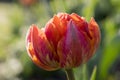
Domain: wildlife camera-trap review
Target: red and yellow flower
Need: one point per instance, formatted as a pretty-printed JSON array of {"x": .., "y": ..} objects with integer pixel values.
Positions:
[{"x": 67, "y": 41}]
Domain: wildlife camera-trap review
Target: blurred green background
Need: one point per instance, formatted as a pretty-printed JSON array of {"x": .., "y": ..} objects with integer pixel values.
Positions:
[{"x": 17, "y": 15}]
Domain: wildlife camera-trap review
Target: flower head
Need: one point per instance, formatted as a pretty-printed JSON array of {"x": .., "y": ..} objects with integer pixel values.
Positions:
[{"x": 67, "y": 41}]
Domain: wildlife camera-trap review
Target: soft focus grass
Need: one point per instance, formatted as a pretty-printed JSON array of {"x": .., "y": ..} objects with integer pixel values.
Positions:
[{"x": 15, "y": 19}]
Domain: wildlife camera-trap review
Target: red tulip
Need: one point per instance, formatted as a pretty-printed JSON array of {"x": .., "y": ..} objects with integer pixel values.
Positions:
[
  {"x": 28, "y": 2},
  {"x": 67, "y": 41}
]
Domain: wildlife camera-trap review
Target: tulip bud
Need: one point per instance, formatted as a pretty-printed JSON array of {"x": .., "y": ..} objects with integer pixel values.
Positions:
[{"x": 66, "y": 41}]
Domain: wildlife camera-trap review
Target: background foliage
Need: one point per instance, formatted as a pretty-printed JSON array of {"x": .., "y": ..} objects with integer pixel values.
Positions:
[{"x": 17, "y": 15}]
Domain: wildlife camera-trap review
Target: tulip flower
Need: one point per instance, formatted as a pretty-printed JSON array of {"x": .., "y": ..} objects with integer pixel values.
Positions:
[
  {"x": 66, "y": 41},
  {"x": 28, "y": 2}
]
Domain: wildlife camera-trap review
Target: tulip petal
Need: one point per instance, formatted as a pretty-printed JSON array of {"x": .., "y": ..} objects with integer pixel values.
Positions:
[
  {"x": 54, "y": 30},
  {"x": 77, "y": 18},
  {"x": 72, "y": 47},
  {"x": 81, "y": 24},
  {"x": 40, "y": 49},
  {"x": 95, "y": 34},
  {"x": 94, "y": 30},
  {"x": 59, "y": 24},
  {"x": 30, "y": 48},
  {"x": 28, "y": 43}
]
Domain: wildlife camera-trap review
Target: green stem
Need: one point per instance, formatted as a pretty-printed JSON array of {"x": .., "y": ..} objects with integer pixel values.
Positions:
[{"x": 70, "y": 75}]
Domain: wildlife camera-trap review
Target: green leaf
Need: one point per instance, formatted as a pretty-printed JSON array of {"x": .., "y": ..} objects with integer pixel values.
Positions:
[
  {"x": 93, "y": 76},
  {"x": 81, "y": 72}
]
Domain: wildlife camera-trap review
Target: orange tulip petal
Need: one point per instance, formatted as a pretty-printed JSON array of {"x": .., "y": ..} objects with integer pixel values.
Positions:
[
  {"x": 77, "y": 18},
  {"x": 40, "y": 50},
  {"x": 54, "y": 30},
  {"x": 31, "y": 51},
  {"x": 96, "y": 37},
  {"x": 52, "y": 34}
]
